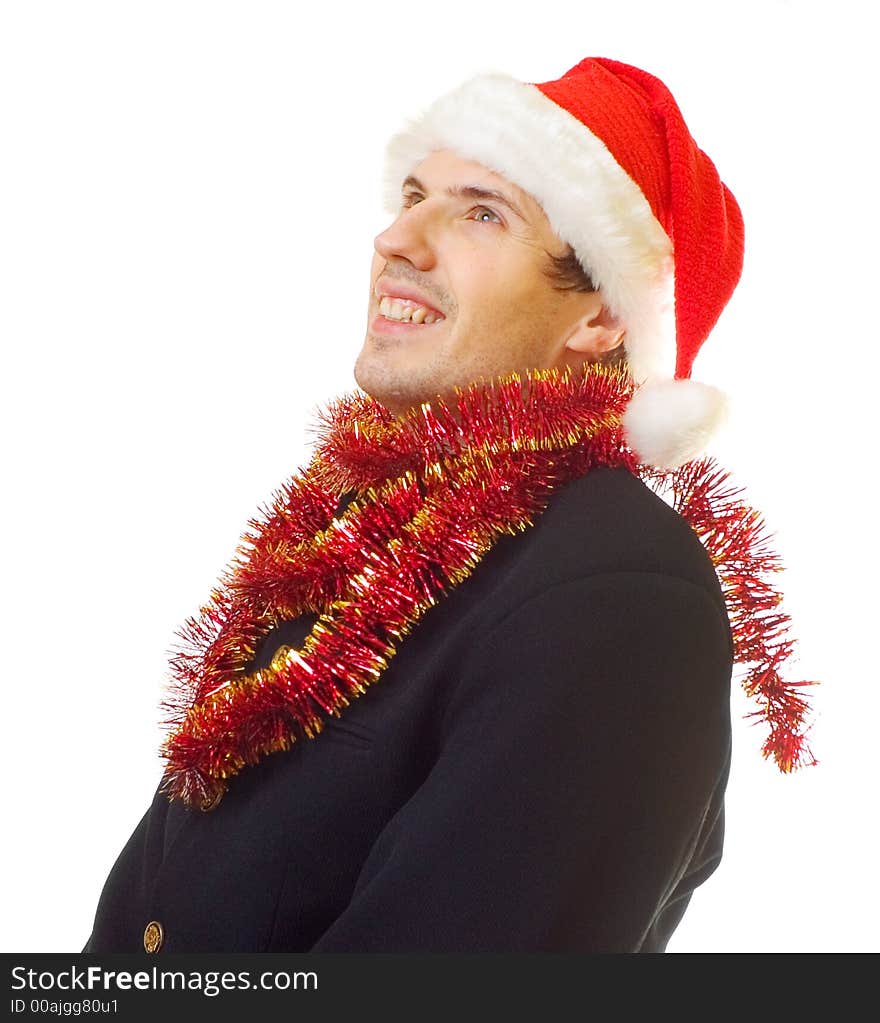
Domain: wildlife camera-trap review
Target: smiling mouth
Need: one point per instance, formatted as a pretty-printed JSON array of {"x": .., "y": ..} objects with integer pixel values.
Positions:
[
  {"x": 404, "y": 310},
  {"x": 388, "y": 325},
  {"x": 402, "y": 317}
]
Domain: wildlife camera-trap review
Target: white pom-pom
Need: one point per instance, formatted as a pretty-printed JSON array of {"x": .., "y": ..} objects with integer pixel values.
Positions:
[{"x": 669, "y": 422}]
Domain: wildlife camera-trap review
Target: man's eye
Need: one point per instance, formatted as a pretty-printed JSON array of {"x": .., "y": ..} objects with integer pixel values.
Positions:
[
  {"x": 479, "y": 210},
  {"x": 412, "y": 198}
]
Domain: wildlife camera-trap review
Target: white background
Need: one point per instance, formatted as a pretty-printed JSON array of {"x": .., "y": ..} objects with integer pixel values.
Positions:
[{"x": 189, "y": 193}]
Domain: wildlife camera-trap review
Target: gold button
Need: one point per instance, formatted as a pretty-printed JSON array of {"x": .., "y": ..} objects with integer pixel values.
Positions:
[
  {"x": 209, "y": 802},
  {"x": 154, "y": 935}
]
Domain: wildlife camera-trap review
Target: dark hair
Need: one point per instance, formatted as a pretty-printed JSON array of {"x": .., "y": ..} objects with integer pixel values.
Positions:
[{"x": 567, "y": 274}]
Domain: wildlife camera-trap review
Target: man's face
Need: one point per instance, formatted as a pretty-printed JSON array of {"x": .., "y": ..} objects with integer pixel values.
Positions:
[{"x": 477, "y": 263}]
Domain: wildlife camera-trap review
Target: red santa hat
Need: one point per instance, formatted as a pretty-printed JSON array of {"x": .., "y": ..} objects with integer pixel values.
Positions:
[{"x": 606, "y": 152}]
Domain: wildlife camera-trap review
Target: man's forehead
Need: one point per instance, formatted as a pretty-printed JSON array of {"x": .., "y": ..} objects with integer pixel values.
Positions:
[{"x": 446, "y": 163}]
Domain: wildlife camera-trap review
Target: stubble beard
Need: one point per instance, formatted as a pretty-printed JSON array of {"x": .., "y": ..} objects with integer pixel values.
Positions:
[{"x": 393, "y": 386}]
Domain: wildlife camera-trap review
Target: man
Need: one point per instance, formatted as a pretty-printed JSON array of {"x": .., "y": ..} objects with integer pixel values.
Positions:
[{"x": 466, "y": 685}]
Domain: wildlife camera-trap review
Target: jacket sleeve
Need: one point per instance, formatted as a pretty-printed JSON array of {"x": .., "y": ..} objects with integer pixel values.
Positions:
[{"x": 581, "y": 749}]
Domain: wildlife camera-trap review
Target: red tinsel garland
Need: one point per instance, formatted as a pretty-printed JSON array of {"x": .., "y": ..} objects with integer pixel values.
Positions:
[{"x": 434, "y": 489}]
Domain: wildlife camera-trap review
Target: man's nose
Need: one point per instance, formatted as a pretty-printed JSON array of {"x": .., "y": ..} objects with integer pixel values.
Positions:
[{"x": 408, "y": 237}]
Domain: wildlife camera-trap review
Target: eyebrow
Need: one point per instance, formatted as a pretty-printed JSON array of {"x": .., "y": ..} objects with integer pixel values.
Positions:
[{"x": 470, "y": 192}]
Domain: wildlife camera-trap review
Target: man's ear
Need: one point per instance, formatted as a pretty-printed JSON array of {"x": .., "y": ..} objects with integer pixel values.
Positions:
[{"x": 596, "y": 332}]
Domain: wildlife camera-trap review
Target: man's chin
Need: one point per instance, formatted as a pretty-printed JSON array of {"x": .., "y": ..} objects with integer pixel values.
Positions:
[{"x": 380, "y": 384}]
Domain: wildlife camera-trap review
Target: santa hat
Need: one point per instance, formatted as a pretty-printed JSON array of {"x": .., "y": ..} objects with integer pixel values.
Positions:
[{"x": 606, "y": 152}]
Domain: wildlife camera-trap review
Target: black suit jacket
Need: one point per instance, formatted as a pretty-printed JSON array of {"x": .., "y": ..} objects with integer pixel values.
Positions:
[{"x": 541, "y": 767}]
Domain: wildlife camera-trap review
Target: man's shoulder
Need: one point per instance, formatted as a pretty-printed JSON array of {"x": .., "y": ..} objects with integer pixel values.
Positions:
[
  {"x": 610, "y": 521},
  {"x": 631, "y": 521}
]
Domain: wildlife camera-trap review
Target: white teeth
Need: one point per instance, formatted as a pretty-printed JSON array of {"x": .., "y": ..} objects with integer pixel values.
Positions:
[{"x": 406, "y": 311}]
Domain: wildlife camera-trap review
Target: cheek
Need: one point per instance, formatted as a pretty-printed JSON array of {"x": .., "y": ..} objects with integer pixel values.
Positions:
[
  {"x": 488, "y": 292},
  {"x": 500, "y": 288},
  {"x": 508, "y": 308}
]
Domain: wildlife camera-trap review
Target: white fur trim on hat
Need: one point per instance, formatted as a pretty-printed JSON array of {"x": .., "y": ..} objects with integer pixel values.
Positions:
[
  {"x": 669, "y": 422},
  {"x": 512, "y": 128}
]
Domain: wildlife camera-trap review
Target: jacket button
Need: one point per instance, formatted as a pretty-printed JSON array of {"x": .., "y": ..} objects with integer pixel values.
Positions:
[
  {"x": 154, "y": 935},
  {"x": 210, "y": 803}
]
